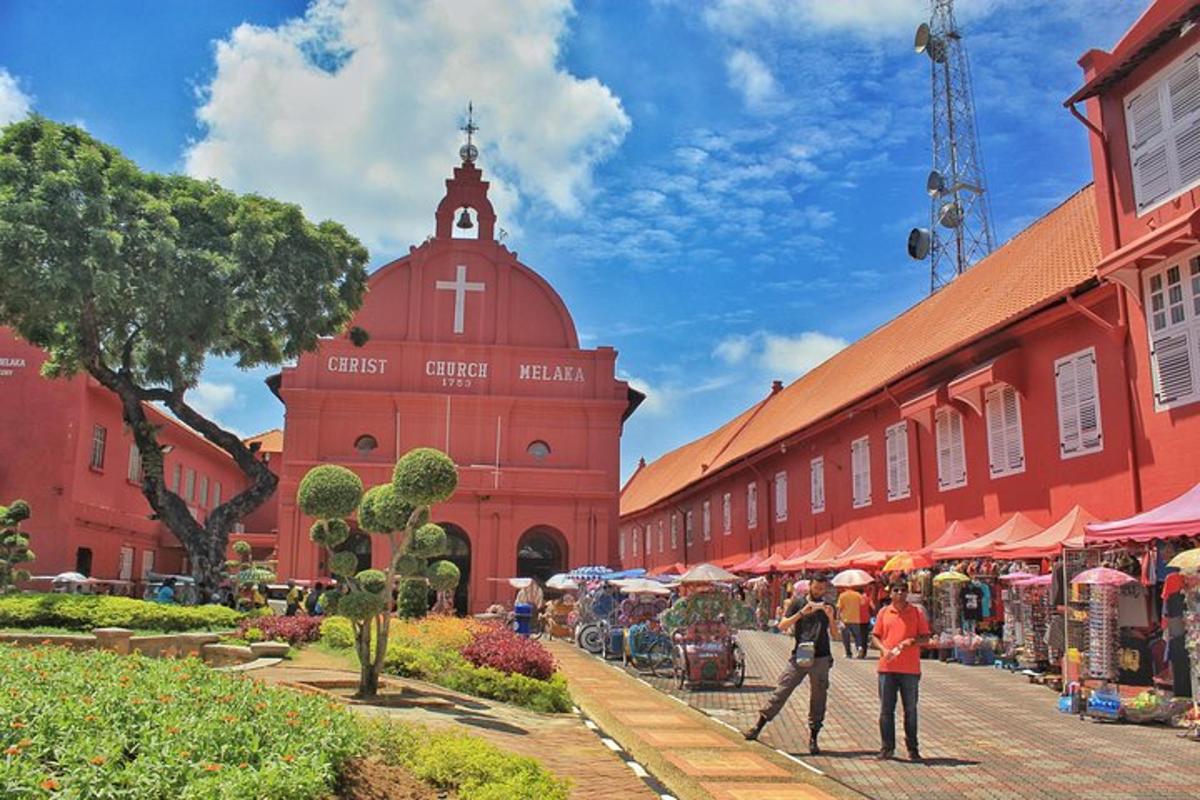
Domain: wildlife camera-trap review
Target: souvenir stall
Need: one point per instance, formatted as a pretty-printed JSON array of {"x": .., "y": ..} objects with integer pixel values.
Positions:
[
  {"x": 1188, "y": 564},
  {"x": 947, "y": 622},
  {"x": 1013, "y": 635},
  {"x": 1033, "y": 636}
]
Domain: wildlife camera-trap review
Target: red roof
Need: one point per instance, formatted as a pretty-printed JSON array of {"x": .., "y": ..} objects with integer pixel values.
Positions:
[
  {"x": 1056, "y": 254},
  {"x": 268, "y": 441}
]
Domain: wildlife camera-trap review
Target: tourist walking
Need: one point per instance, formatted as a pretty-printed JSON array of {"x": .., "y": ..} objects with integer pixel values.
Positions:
[
  {"x": 854, "y": 612},
  {"x": 313, "y": 602},
  {"x": 900, "y": 630},
  {"x": 811, "y": 617},
  {"x": 295, "y": 596}
]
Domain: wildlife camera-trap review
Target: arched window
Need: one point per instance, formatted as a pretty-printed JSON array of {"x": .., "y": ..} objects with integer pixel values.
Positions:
[
  {"x": 541, "y": 553},
  {"x": 83, "y": 561},
  {"x": 538, "y": 449},
  {"x": 365, "y": 444}
]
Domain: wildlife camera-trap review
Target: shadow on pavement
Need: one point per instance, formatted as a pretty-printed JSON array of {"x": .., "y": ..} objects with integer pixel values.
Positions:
[
  {"x": 827, "y": 753},
  {"x": 949, "y": 762},
  {"x": 491, "y": 725}
]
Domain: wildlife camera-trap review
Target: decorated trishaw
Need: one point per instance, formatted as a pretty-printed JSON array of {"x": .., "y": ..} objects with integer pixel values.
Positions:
[
  {"x": 642, "y": 641},
  {"x": 702, "y": 625},
  {"x": 596, "y": 610}
]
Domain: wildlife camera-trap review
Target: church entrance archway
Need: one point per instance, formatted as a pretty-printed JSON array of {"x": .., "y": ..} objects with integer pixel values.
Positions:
[
  {"x": 541, "y": 553},
  {"x": 458, "y": 552}
]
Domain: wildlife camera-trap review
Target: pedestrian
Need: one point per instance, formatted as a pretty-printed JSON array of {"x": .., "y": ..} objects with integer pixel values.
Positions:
[
  {"x": 295, "y": 595},
  {"x": 166, "y": 592},
  {"x": 313, "y": 601},
  {"x": 811, "y": 618},
  {"x": 900, "y": 630},
  {"x": 853, "y": 612}
]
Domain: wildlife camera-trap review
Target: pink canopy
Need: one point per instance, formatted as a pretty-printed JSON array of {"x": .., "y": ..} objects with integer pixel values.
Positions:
[
  {"x": 1038, "y": 580},
  {"x": 1067, "y": 532},
  {"x": 859, "y": 554},
  {"x": 1178, "y": 517},
  {"x": 955, "y": 533},
  {"x": 768, "y": 564},
  {"x": 1014, "y": 529},
  {"x": 746, "y": 565},
  {"x": 817, "y": 558}
]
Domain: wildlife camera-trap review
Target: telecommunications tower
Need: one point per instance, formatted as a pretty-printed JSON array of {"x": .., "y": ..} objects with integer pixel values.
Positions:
[{"x": 960, "y": 224}]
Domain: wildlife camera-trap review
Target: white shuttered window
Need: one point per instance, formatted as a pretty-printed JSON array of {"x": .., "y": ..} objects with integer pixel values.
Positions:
[
  {"x": 1173, "y": 319},
  {"x": 1006, "y": 449},
  {"x": 752, "y": 505},
  {"x": 727, "y": 513},
  {"x": 706, "y": 521},
  {"x": 621, "y": 546},
  {"x": 662, "y": 537},
  {"x": 860, "y": 468},
  {"x": 951, "y": 451},
  {"x": 897, "y": 461},
  {"x": 135, "y": 464},
  {"x": 674, "y": 531},
  {"x": 689, "y": 529},
  {"x": 1079, "y": 431},
  {"x": 781, "y": 491},
  {"x": 817, "y": 484},
  {"x": 1162, "y": 119}
]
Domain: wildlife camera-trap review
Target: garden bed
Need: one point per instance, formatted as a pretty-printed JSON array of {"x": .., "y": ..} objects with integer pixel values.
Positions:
[{"x": 77, "y": 612}]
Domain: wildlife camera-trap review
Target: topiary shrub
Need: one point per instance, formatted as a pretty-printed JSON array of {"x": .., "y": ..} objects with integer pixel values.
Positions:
[
  {"x": 343, "y": 564},
  {"x": 427, "y": 541},
  {"x": 14, "y": 545},
  {"x": 410, "y": 566},
  {"x": 382, "y": 511},
  {"x": 372, "y": 580},
  {"x": 425, "y": 476},
  {"x": 443, "y": 576},
  {"x": 329, "y": 491},
  {"x": 412, "y": 599},
  {"x": 360, "y": 606}
]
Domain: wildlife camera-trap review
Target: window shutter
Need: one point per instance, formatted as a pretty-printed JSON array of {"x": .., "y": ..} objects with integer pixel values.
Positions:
[
  {"x": 994, "y": 411},
  {"x": 1090, "y": 434},
  {"x": 958, "y": 450},
  {"x": 1148, "y": 148},
  {"x": 893, "y": 473},
  {"x": 1066, "y": 383},
  {"x": 1183, "y": 93},
  {"x": 817, "y": 484},
  {"x": 1172, "y": 358},
  {"x": 1014, "y": 442},
  {"x": 944, "y": 449}
]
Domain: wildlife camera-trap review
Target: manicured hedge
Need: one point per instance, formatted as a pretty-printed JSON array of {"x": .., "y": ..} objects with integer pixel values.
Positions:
[
  {"x": 98, "y": 725},
  {"x": 85, "y": 612},
  {"x": 472, "y": 767}
]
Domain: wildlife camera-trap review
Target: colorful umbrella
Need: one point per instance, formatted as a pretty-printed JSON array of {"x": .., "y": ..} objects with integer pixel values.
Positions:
[
  {"x": 907, "y": 562},
  {"x": 953, "y": 576},
  {"x": 707, "y": 573},
  {"x": 1188, "y": 561},
  {"x": 852, "y": 577},
  {"x": 562, "y": 582},
  {"x": 1102, "y": 576}
]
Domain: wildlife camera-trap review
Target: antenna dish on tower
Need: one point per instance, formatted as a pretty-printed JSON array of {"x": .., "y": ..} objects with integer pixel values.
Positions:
[
  {"x": 925, "y": 42},
  {"x": 918, "y": 243},
  {"x": 935, "y": 184}
]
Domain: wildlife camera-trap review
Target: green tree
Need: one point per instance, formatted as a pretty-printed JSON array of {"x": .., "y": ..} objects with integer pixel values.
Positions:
[
  {"x": 245, "y": 570},
  {"x": 136, "y": 278},
  {"x": 14, "y": 545},
  {"x": 398, "y": 512}
]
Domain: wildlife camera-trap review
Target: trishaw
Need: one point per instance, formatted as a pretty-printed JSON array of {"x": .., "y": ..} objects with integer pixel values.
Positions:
[
  {"x": 640, "y": 639},
  {"x": 703, "y": 631},
  {"x": 596, "y": 610}
]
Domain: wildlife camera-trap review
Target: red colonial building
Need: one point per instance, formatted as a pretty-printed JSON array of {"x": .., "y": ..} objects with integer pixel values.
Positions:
[
  {"x": 1063, "y": 369},
  {"x": 67, "y": 452},
  {"x": 472, "y": 352}
]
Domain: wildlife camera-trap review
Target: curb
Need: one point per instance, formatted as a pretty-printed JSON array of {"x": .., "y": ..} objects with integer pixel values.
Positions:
[{"x": 653, "y": 783}]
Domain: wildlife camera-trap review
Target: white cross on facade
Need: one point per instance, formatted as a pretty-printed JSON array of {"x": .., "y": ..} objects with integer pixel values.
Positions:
[{"x": 460, "y": 285}]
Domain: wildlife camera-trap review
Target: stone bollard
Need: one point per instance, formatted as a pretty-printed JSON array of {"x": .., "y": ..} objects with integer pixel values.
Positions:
[{"x": 115, "y": 639}]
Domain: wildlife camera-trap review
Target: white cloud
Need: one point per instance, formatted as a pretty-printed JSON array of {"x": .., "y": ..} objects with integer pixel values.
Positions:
[
  {"x": 779, "y": 356},
  {"x": 666, "y": 398},
  {"x": 351, "y": 111},
  {"x": 752, "y": 78},
  {"x": 14, "y": 103},
  {"x": 734, "y": 349},
  {"x": 211, "y": 399}
]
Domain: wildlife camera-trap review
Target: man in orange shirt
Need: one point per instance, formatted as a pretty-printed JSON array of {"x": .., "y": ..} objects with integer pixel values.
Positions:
[
  {"x": 900, "y": 630},
  {"x": 854, "y": 612}
]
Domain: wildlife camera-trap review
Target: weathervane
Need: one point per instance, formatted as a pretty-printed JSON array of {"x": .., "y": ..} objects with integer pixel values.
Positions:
[{"x": 468, "y": 152}]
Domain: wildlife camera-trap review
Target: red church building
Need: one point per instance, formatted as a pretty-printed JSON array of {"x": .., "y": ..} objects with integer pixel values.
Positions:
[
  {"x": 1062, "y": 370},
  {"x": 472, "y": 352}
]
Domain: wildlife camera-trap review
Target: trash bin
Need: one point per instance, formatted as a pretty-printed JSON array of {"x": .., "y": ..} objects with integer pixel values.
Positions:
[{"x": 523, "y": 614}]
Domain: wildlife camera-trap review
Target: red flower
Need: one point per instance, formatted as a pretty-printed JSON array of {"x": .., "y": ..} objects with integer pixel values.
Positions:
[{"x": 502, "y": 649}]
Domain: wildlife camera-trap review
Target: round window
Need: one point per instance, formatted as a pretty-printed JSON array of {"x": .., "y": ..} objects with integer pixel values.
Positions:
[
  {"x": 365, "y": 444},
  {"x": 538, "y": 449}
]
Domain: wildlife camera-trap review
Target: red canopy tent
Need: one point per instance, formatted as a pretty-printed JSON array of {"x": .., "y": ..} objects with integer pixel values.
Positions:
[
  {"x": 678, "y": 568},
  {"x": 955, "y": 533},
  {"x": 768, "y": 564},
  {"x": 858, "y": 555},
  {"x": 1014, "y": 529},
  {"x": 1067, "y": 532},
  {"x": 745, "y": 565},
  {"x": 1178, "y": 517},
  {"x": 822, "y": 553}
]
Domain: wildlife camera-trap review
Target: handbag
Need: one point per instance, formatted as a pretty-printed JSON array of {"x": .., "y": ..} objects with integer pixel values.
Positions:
[{"x": 806, "y": 654}]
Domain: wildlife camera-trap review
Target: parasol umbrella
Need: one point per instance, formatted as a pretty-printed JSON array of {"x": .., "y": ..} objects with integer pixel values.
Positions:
[
  {"x": 70, "y": 577},
  {"x": 1102, "y": 576},
  {"x": 907, "y": 562},
  {"x": 707, "y": 573},
  {"x": 952, "y": 576},
  {"x": 1187, "y": 562},
  {"x": 852, "y": 577},
  {"x": 1034, "y": 580},
  {"x": 562, "y": 582},
  {"x": 1017, "y": 576},
  {"x": 641, "y": 586},
  {"x": 588, "y": 573}
]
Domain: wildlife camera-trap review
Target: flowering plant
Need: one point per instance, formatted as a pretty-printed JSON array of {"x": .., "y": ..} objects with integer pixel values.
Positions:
[
  {"x": 502, "y": 649},
  {"x": 293, "y": 630}
]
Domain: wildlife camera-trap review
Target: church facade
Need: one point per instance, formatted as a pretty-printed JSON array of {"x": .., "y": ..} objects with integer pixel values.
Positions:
[{"x": 472, "y": 352}]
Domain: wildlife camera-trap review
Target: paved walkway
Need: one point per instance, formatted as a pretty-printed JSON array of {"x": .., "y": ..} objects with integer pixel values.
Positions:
[
  {"x": 694, "y": 756},
  {"x": 560, "y": 742},
  {"x": 984, "y": 733}
]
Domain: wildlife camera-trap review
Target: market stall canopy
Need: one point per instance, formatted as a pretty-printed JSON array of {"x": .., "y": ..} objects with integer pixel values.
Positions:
[
  {"x": 859, "y": 554},
  {"x": 952, "y": 576},
  {"x": 707, "y": 573},
  {"x": 1016, "y": 528},
  {"x": 1178, "y": 517},
  {"x": 768, "y": 564},
  {"x": 678, "y": 568},
  {"x": 1017, "y": 576},
  {"x": 852, "y": 577},
  {"x": 593, "y": 573},
  {"x": 1035, "y": 580},
  {"x": 562, "y": 582},
  {"x": 1102, "y": 576},
  {"x": 1067, "y": 532},
  {"x": 955, "y": 533},
  {"x": 516, "y": 583},
  {"x": 640, "y": 586},
  {"x": 817, "y": 558},
  {"x": 1187, "y": 562},
  {"x": 907, "y": 562},
  {"x": 745, "y": 565}
]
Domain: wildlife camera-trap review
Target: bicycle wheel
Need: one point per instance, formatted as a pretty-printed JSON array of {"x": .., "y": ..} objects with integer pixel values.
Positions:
[
  {"x": 659, "y": 659},
  {"x": 739, "y": 666}
]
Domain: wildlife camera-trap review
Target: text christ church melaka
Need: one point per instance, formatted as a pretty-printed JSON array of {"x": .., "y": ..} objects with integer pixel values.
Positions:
[{"x": 472, "y": 352}]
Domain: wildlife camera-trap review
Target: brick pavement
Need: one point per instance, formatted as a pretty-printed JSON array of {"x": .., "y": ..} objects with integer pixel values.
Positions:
[
  {"x": 985, "y": 734},
  {"x": 695, "y": 758}
]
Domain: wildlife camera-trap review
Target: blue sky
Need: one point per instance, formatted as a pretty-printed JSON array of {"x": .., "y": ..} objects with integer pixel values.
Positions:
[{"x": 719, "y": 189}]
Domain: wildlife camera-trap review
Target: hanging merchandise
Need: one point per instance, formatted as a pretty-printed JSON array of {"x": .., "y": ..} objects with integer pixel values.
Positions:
[{"x": 1102, "y": 632}]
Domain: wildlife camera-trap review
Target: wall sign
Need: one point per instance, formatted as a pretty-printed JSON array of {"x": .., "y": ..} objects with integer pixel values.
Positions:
[
  {"x": 551, "y": 373},
  {"x": 8, "y": 366},
  {"x": 356, "y": 365}
]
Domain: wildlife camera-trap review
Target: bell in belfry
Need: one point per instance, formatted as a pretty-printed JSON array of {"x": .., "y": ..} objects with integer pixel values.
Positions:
[{"x": 464, "y": 220}]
